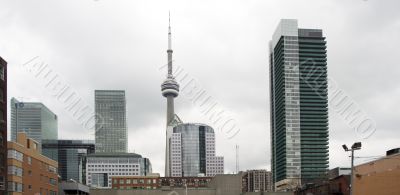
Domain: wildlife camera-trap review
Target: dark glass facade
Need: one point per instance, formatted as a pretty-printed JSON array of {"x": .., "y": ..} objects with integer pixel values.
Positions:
[
  {"x": 3, "y": 126},
  {"x": 70, "y": 155},
  {"x": 299, "y": 105},
  {"x": 313, "y": 105}
]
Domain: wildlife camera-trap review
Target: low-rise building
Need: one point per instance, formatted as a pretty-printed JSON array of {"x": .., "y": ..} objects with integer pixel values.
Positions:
[
  {"x": 73, "y": 188},
  {"x": 136, "y": 182},
  {"x": 183, "y": 182},
  {"x": 101, "y": 167},
  {"x": 29, "y": 172},
  {"x": 338, "y": 171},
  {"x": 379, "y": 176},
  {"x": 156, "y": 182}
]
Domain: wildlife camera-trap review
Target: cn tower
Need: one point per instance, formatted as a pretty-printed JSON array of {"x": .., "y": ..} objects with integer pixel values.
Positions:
[{"x": 170, "y": 90}]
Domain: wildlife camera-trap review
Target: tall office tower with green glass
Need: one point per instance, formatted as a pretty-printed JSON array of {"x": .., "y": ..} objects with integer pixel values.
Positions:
[{"x": 298, "y": 105}]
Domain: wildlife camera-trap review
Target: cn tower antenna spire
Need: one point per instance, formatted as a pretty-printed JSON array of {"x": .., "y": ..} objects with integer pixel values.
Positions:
[{"x": 169, "y": 31}]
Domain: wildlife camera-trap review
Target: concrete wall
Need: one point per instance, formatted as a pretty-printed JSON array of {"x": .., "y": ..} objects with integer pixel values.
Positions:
[
  {"x": 268, "y": 193},
  {"x": 228, "y": 184},
  {"x": 153, "y": 192},
  {"x": 177, "y": 192}
]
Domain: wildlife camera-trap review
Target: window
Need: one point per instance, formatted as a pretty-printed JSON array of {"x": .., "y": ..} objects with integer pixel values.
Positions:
[
  {"x": 2, "y": 73},
  {"x": 15, "y": 155},
  {"x": 52, "y": 181},
  {"x": 121, "y": 181},
  {"x": 14, "y": 187},
  {"x": 13, "y": 170},
  {"x": 2, "y": 186},
  {"x": 128, "y": 181},
  {"x": 52, "y": 169},
  {"x": 1, "y": 116},
  {"x": 29, "y": 159}
]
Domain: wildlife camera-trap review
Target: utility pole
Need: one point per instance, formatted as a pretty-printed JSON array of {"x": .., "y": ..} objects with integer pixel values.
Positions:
[{"x": 355, "y": 146}]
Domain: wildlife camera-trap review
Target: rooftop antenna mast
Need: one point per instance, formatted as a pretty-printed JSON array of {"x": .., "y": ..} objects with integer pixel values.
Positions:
[{"x": 237, "y": 158}]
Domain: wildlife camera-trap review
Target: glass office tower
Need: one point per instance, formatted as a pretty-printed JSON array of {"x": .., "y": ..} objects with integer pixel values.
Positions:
[
  {"x": 192, "y": 151},
  {"x": 110, "y": 133},
  {"x": 69, "y": 154},
  {"x": 33, "y": 118},
  {"x": 299, "y": 105}
]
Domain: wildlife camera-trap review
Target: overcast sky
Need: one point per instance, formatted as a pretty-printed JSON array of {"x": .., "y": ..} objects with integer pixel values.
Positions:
[{"x": 107, "y": 44}]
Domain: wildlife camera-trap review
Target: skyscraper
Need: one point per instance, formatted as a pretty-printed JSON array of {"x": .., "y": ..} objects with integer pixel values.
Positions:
[
  {"x": 33, "y": 118},
  {"x": 3, "y": 126},
  {"x": 299, "y": 105},
  {"x": 110, "y": 132},
  {"x": 170, "y": 90},
  {"x": 192, "y": 151},
  {"x": 69, "y": 154}
]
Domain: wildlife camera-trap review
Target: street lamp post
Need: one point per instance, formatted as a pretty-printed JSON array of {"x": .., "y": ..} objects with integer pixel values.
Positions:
[{"x": 355, "y": 146}]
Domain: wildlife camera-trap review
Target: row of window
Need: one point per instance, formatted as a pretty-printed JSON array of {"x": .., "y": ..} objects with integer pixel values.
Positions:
[
  {"x": 130, "y": 188},
  {"x": 135, "y": 181},
  {"x": 111, "y": 174},
  {"x": 108, "y": 170},
  {"x": 113, "y": 165},
  {"x": 19, "y": 187},
  {"x": 20, "y": 157}
]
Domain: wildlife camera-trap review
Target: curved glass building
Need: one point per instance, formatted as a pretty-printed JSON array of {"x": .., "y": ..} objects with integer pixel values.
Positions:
[{"x": 193, "y": 151}]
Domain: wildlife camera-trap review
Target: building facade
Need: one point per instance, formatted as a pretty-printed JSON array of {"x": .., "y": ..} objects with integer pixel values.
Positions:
[
  {"x": 29, "y": 172},
  {"x": 338, "y": 171},
  {"x": 33, "y": 118},
  {"x": 379, "y": 176},
  {"x": 69, "y": 154},
  {"x": 257, "y": 181},
  {"x": 299, "y": 105},
  {"x": 110, "y": 132},
  {"x": 192, "y": 151},
  {"x": 3, "y": 126},
  {"x": 101, "y": 167},
  {"x": 136, "y": 182}
]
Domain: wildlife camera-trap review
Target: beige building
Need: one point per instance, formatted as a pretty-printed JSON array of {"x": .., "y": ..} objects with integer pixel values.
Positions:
[
  {"x": 29, "y": 172},
  {"x": 381, "y": 176}
]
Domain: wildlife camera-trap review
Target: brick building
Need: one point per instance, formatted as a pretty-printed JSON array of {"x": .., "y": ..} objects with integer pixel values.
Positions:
[
  {"x": 381, "y": 176},
  {"x": 29, "y": 172}
]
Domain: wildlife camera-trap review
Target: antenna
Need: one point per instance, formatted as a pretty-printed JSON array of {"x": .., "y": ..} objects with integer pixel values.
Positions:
[{"x": 237, "y": 158}]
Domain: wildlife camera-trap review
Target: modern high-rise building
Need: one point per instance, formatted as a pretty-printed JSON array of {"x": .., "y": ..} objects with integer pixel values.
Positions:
[
  {"x": 100, "y": 167},
  {"x": 69, "y": 154},
  {"x": 192, "y": 151},
  {"x": 170, "y": 90},
  {"x": 33, "y": 118},
  {"x": 299, "y": 105},
  {"x": 110, "y": 132},
  {"x": 3, "y": 126}
]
